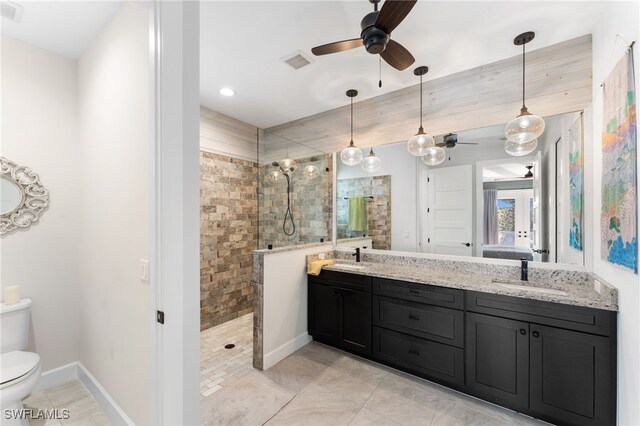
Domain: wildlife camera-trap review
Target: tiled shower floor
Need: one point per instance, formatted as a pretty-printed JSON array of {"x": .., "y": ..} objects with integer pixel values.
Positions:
[{"x": 218, "y": 364}]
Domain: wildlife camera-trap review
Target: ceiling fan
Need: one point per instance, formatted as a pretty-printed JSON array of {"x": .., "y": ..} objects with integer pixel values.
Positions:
[
  {"x": 450, "y": 140},
  {"x": 528, "y": 175},
  {"x": 376, "y": 28}
]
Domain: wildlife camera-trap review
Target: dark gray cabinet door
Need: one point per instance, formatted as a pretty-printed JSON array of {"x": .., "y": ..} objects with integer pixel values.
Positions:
[
  {"x": 323, "y": 313},
  {"x": 497, "y": 359},
  {"x": 354, "y": 321},
  {"x": 571, "y": 376}
]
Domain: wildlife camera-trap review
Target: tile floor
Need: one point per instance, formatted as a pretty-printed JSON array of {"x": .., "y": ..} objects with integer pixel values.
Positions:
[
  {"x": 319, "y": 385},
  {"x": 73, "y": 396},
  {"x": 217, "y": 364}
]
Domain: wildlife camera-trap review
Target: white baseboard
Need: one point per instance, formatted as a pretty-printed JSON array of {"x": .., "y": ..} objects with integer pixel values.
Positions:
[
  {"x": 110, "y": 407},
  {"x": 280, "y": 353},
  {"x": 77, "y": 371},
  {"x": 57, "y": 376}
]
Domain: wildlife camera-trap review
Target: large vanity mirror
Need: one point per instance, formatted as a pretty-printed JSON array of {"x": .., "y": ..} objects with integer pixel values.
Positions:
[{"x": 481, "y": 201}]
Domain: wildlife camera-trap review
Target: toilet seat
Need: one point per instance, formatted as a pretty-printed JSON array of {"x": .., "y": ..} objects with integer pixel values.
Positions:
[{"x": 17, "y": 366}]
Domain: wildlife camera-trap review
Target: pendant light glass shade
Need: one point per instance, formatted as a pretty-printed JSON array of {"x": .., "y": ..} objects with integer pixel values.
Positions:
[
  {"x": 288, "y": 165},
  {"x": 275, "y": 175},
  {"x": 519, "y": 149},
  {"x": 371, "y": 163},
  {"x": 434, "y": 156},
  {"x": 526, "y": 127},
  {"x": 351, "y": 155},
  {"x": 311, "y": 172},
  {"x": 420, "y": 144}
]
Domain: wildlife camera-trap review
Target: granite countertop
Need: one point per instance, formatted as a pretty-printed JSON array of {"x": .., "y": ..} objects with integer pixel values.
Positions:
[{"x": 578, "y": 294}]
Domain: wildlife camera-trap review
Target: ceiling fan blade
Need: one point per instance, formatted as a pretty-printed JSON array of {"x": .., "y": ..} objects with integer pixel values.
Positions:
[
  {"x": 338, "y": 46},
  {"x": 397, "y": 56},
  {"x": 392, "y": 13}
]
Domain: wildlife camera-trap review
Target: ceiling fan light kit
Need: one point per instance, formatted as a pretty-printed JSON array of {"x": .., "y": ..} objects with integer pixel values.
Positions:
[
  {"x": 526, "y": 127},
  {"x": 420, "y": 144},
  {"x": 371, "y": 163},
  {"x": 351, "y": 155}
]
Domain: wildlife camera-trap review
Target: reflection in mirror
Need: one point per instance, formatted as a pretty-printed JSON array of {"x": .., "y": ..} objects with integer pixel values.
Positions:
[
  {"x": 10, "y": 196},
  {"x": 295, "y": 189},
  {"x": 481, "y": 201}
]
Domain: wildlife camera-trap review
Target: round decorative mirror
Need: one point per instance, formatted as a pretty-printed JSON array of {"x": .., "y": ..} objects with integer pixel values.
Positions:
[
  {"x": 23, "y": 199},
  {"x": 10, "y": 196}
]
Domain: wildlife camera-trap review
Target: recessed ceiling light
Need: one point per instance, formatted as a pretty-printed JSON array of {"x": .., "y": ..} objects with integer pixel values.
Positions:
[{"x": 227, "y": 91}]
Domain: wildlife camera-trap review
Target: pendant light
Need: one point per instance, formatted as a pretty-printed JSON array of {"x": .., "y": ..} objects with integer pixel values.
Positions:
[
  {"x": 351, "y": 155},
  {"x": 371, "y": 163},
  {"x": 419, "y": 144},
  {"x": 519, "y": 149},
  {"x": 434, "y": 156},
  {"x": 526, "y": 127}
]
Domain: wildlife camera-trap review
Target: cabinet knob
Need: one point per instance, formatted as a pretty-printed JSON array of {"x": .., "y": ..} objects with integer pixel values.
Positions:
[
  {"x": 414, "y": 352},
  {"x": 414, "y": 291},
  {"x": 535, "y": 334},
  {"x": 523, "y": 331},
  {"x": 413, "y": 317}
]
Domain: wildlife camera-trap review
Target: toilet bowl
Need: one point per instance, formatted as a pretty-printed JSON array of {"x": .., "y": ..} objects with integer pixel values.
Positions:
[{"x": 19, "y": 370}]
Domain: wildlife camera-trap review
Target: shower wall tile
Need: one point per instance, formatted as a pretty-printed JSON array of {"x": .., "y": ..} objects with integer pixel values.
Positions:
[
  {"x": 311, "y": 204},
  {"x": 378, "y": 208},
  {"x": 228, "y": 235}
]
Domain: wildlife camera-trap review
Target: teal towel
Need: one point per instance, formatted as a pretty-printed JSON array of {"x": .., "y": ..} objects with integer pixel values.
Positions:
[{"x": 357, "y": 214}]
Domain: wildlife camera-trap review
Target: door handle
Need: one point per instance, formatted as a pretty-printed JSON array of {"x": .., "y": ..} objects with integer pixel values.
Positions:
[
  {"x": 414, "y": 291},
  {"x": 466, "y": 244}
]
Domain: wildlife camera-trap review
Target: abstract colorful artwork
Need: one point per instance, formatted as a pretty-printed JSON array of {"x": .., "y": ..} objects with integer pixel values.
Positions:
[
  {"x": 576, "y": 172},
  {"x": 618, "y": 223}
]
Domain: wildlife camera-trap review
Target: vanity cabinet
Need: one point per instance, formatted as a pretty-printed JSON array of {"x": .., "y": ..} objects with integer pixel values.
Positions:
[
  {"x": 339, "y": 311},
  {"x": 559, "y": 373},
  {"x": 553, "y": 361}
]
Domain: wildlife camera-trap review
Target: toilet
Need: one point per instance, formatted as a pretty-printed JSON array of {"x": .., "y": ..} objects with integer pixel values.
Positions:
[{"x": 19, "y": 370}]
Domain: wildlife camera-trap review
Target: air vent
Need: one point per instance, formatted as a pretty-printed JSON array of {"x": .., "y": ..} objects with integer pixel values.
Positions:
[
  {"x": 12, "y": 11},
  {"x": 297, "y": 60}
]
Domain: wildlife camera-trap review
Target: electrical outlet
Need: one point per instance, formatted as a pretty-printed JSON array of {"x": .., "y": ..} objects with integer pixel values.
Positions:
[
  {"x": 597, "y": 286},
  {"x": 321, "y": 256},
  {"x": 144, "y": 271}
]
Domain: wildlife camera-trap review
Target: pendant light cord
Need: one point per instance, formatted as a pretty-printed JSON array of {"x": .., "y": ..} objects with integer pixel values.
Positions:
[
  {"x": 352, "y": 120},
  {"x": 288, "y": 216},
  {"x": 523, "y": 68},
  {"x": 421, "y": 101}
]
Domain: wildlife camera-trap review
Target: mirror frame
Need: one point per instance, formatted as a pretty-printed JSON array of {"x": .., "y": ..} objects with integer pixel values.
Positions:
[{"x": 34, "y": 201}]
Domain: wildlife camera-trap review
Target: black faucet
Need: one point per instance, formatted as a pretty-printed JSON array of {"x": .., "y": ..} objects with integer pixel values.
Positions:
[
  {"x": 524, "y": 270},
  {"x": 357, "y": 254}
]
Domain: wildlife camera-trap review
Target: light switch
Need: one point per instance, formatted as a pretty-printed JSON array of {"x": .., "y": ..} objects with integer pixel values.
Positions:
[{"x": 144, "y": 271}]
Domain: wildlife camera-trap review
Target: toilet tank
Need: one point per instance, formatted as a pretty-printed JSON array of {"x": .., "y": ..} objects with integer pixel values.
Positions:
[{"x": 14, "y": 326}]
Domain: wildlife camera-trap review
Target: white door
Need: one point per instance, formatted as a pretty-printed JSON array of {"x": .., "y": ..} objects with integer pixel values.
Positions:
[
  {"x": 536, "y": 226},
  {"x": 515, "y": 217},
  {"x": 450, "y": 211}
]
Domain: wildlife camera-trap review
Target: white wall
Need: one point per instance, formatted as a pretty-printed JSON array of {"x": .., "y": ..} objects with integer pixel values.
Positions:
[
  {"x": 616, "y": 18},
  {"x": 39, "y": 130},
  {"x": 397, "y": 162},
  {"x": 285, "y": 303},
  {"x": 113, "y": 82}
]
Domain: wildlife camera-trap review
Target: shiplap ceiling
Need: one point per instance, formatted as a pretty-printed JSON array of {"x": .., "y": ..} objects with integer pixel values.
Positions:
[{"x": 242, "y": 43}]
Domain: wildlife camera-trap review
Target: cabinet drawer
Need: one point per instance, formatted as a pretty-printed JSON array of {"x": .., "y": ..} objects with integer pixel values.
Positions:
[
  {"x": 570, "y": 317},
  {"x": 430, "y": 322},
  {"x": 440, "y": 296},
  {"x": 426, "y": 358},
  {"x": 344, "y": 280}
]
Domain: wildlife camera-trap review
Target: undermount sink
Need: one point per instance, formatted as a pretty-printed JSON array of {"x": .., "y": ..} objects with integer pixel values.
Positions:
[
  {"x": 352, "y": 267},
  {"x": 529, "y": 288}
]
